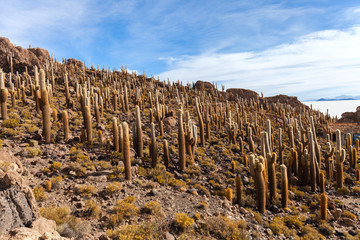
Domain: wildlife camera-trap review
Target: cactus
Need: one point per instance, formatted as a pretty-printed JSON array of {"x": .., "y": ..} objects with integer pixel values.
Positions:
[
  {"x": 354, "y": 158},
  {"x": 284, "y": 187},
  {"x": 126, "y": 151},
  {"x": 323, "y": 206},
  {"x": 357, "y": 175},
  {"x": 233, "y": 166},
  {"x": 45, "y": 108},
  {"x": 340, "y": 158},
  {"x": 281, "y": 160},
  {"x": 322, "y": 182},
  {"x": 3, "y": 96},
  {"x": 153, "y": 147},
  {"x": 239, "y": 189},
  {"x": 271, "y": 158},
  {"x": 260, "y": 187},
  {"x": 229, "y": 194},
  {"x": 181, "y": 142},
  {"x": 166, "y": 154},
  {"x": 65, "y": 120},
  {"x": 115, "y": 134},
  {"x": 201, "y": 124},
  {"x": 312, "y": 162},
  {"x": 138, "y": 134},
  {"x": 48, "y": 185},
  {"x": 329, "y": 153}
]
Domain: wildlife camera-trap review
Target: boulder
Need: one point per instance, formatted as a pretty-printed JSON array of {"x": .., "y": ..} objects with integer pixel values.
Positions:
[{"x": 234, "y": 93}]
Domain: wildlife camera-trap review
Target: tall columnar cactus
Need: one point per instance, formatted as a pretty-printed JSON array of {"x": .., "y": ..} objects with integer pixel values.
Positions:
[
  {"x": 281, "y": 160},
  {"x": 229, "y": 194},
  {"x": 3, "y": 96},
  {"x": 357, "y": 175},
  {"x": 87, "y": 120},
  {"x": 239, "y": 189},
  {"x": 354, "y": 158},
  {"x": 166, "y": 154},
  {"x": 126, "y": 151},
  {"x": 65, "y": 120},
  {"x": 181, "y": 142},
  {"x": 153, "y": 147},
  {"x": 312, "y": 163},
  {"x": 138, "y": 134},
  {"x": 329, "y": 168},
  {"x": 260, "y": 187},
  {"x": 271, "y": 158},
  {"x": 322, "y": 182},
  {"x": 115, "y": 131},
  {"x": 323, "y": 206},
  {"x": 201, "y": 124},
  {"x": 340, "y": 158},
  {"x": 284, "y": 187},
  {"x": 67, "y": 92},
  {"x": 13, "y": 95},
  {"x": 45, "y": 108}
]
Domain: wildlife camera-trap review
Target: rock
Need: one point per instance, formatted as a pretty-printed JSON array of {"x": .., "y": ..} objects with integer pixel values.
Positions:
[
  {"x": 169, "y": 236},
  {"x": 243, "y": 210},
  {"x": 152, "y": 192},
  {"x": 336, "y": 213},
  {"x": 204, "y": 86},
  {"x": 33, "y": 143},
  {"x": 349, "y": 181},
  {"x": 352, "y": 232},
  {"x": 22, "y": 58},
  {"x": 169, "y": 122},
  {"x": 43, "y": 225},
  {"x": 24, "y": 233},
  {"x": 347, "y": 222},
  {"x": 235, "y": 93},
  {"x": 17, "y": 203},
  {"x": 269, "y": 232},
  {"x": 10, "y": 162}
]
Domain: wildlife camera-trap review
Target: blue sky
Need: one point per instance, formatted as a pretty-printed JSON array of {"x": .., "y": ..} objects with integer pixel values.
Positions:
[{"x": 309, "y": 49}]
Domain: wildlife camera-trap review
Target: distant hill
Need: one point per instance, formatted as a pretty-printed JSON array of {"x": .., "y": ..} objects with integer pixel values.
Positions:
[{"x": 340, "y": 98}]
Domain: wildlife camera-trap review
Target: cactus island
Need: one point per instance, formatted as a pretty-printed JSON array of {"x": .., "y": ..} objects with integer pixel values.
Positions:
[{"x": 108, "y": 154}]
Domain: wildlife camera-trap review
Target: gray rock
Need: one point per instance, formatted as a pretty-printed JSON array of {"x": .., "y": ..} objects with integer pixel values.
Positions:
[{"x": 169, "y": 236}]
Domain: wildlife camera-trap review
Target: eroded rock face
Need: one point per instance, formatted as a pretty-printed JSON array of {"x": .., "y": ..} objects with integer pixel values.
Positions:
[
  {"x": 17, "y": 203},
  {"x": 21, "y": 57},
  {"x": 204, "y": 86},
  {"x": 234, "y": 93},
  {"x": 350, "y": 117},
  {"x": 290, "y": 100},
  {"x": 19, "y": 214}
]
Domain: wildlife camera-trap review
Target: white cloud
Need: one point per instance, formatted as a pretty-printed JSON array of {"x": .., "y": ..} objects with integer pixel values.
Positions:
[{"x": 322, "y": 60}]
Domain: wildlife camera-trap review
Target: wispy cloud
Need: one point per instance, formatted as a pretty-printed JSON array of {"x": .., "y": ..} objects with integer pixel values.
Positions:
[{"x": 325, "y": 59}]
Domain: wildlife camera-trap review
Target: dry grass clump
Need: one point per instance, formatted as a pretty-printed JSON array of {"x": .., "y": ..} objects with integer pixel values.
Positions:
[
  {"x": 86, "y": 190},
  {"x": 39, "y": 194},
  {"x": 123, "y": 209}
]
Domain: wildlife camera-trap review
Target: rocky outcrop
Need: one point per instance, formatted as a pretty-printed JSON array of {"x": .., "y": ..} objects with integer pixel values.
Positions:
[
  {"x": 290, "y": 100},
  {"x": 21, "y": 57},
  {"x": 235, "y": 93},
  {"x": 204, "y": 86},
  {"x": 350, "y": 117},
  {"x": 19, "y": 214}
]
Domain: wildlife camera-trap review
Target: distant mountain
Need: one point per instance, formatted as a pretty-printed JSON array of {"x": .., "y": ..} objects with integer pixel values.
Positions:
[{"x": 340, "y": 98}]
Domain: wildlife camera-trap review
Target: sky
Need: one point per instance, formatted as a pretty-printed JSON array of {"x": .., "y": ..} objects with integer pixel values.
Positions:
[{"x": 303, "y": 48}]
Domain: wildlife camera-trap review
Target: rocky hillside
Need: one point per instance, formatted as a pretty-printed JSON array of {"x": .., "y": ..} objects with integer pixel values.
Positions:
[
  {"x": 17, "y": 59},
  {"x": 112, "y": 155}
]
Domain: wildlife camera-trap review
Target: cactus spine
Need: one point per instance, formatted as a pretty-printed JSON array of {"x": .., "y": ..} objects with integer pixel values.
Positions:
[{"x": 126, "y": 151}]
